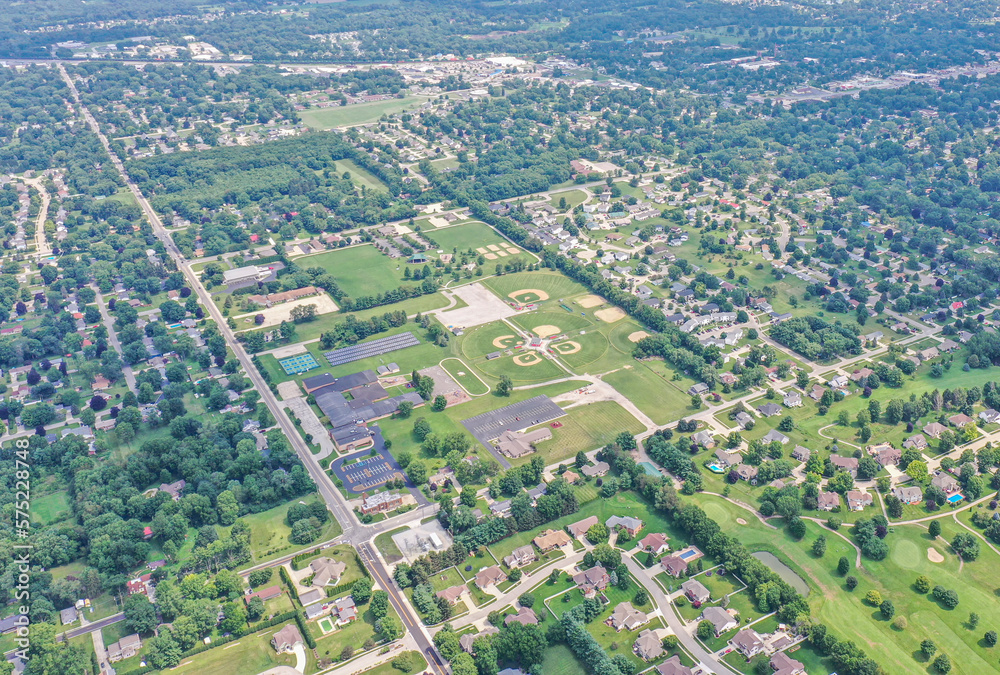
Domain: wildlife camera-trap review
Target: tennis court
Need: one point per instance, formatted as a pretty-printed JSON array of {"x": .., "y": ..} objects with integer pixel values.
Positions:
[{"x": 300, "y": 363}]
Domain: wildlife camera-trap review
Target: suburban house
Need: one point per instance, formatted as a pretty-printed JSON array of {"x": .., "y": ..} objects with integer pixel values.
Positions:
[
  {"x": 848, "y": 464},
  {"x": 698, "y": 389},
  {"x": 592, "y": 581},
  {"x": 125, "y": 648},
  {"x": 627, "y": 523},
  {"x": 946, "y": 482},
  {"x": 934, "y": 429},
  {"x": 491, "y": 576},
  {"x": 990, "y": 416},
  {"x": 673, "y": 666},
  {"x": 599, "y": 469},
  {"x": 695, "y": 591},
  {"x": 648, "y": 646},
  {"x": 286, "y": 639},
  {"x": 792, "y": 399},
  {"x": 827, "y": 501},
  {"x": 327, "y": 571},
  {"x": 467, "y": 640},
  {"x": 673, "y": 565},
  {"x": 908, "y": 495},
  {"x": 775, "y": 435},
  {"x": 500, "y": 509},
  {"x": 173, "y": 489},
  {"x": 549, "y": 540},
  {"x": 960, "y": 420},
  {"x": 520, "y": 556},
  {"x": 580, "y": 527},
  {"x": 743, "y": 419},
  {"x": 720, "y": 619},
  {"x": 748, "y": 643},
  {"x": 655, "y": 542},
  {"x": 345, "y": 610},
  {"x": 769, "y": 409},
  {"x": 885, "y": 454},
  {"x": 783, "y": 664},
  {"x": 704, "y": 439},
  {"x": 525, "y": 616},
  {"x": 68, "y": 616},
  {"x": 857, "y": 501},
  {"x": 724, "y": 459},
  {"x": 571, "y": 477},
  {"x": 746, "y": 472},
  {"x": 801, "y": 453},
  {"x": 452, "y": 595},
  {"x": 626, "y": 617},
  {"x": 916, "y": 441}
]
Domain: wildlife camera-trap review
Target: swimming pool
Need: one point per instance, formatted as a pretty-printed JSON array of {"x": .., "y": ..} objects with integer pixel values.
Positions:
[
  {"x": 954, "y": 499},
  {"x": 715, "y": 468},
  {"x": 687, "y": 554}
]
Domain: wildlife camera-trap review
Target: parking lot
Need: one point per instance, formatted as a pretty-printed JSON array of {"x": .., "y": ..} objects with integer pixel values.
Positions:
[
  {"x": 364, "y": 471},
  {"x": 514, "y": 417}
]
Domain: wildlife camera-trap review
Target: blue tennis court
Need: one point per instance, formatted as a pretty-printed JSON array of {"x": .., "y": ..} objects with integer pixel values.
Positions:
[{"x": 300, "y": 363}]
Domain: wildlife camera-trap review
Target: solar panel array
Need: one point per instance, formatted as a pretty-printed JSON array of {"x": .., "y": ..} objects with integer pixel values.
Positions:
[{"x": 339, "y": 357}]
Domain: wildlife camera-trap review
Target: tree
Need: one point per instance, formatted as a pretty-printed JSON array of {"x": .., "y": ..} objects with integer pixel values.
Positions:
[
  {"x": 990, "y": 638},
  {"x": 440, "y": 403},
  {"x": 361, "y": 591},
  {"x": 404, "y": 410},
  {"x": 597, "y": 534},
  {"x": 505, "y": 386},
  {"x": 966, "y": 545},
  {"x": 973, "y": 621},
  {"x": 140, "y": 614},
  {"x": 389, "y": 627},
  {"x": 235, "y": 620},
  {"x": 851, "y": 582},
  {"x": 887, "y": 609},
  {"x": 421, "y": 429},
  {"x": 927, "y": 648},
  {"x": 228, "y": 507},
  {"x": 255, "y": 609},
  {"x": 258, "y": 578},
  {"x": 942, "y": 663},
  {"x": 917, "y": 470},
  {"x": 843, "y": 565},
  {"x": 922, "y": 584},
  {"x": 819, "y": 547},
  {"x": 706, "y": 630},
  {"x": 873, "y": 598},
  {"x": 934, "y": 528}
]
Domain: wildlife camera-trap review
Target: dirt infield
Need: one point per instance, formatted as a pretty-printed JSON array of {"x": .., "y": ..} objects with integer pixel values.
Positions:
[
  {"x": 528, "y": 359},
  {"x": 568, "y": 347},
  {"x": 610, "y": 315},
  {"x": 546, "y": 330},
  {"x": 490, "y": 256},
  {"x": 589, "y": 301},
  {"x": 934, "y": 555},
  {"x": 638, "y": 335},
  {"x": 512, "y": 251},
  {"x": 501, "y": 342},
  {"x": 273, "y": 316},
  {"x": 740, "y": 521},
  {"x": 541, "y": 295}
]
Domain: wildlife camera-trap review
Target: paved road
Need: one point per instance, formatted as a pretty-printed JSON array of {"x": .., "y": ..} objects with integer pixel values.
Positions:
[
  {"x": 113, "y": 339},
  {"x": 354, "y": 532},
  {"x": 42, "y": 248}
]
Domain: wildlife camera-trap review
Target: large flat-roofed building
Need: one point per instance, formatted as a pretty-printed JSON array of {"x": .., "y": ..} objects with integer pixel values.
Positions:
[
  {"x": 241, "y": 277},
  {"x": 520, "y": 443},
  {"x": 383, "y": 501}
]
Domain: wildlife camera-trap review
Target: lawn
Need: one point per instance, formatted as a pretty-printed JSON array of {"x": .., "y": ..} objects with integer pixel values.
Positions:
[
  {"x": 559, "y": 659},
  {"x": 416, "y": 659},
  {"x": 465, "y": 376},
  {"x": 554, "y": 284},
  {"x": 652, "y": 392},
  {"x": 357, "y": 113},
  {"x": 359, "y": 270},
  {"x": 850, "y": 618},
  {"x": 586, "y": 427},
  {"x": 269, "y": 532},
  {"x": 446, "y": 579},
  {"x": 387, "y": 546},
  {"x": 51, "y": 508},
  {"x": 473, "y": 235},
  {"x": 249, "y": 655},
  {"x": 486, "y": 338},
  {"x": 523, "y": 368},
  {"x": 361, "y": 177}
]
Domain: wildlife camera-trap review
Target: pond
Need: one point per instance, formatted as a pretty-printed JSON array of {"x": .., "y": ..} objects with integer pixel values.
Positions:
[{"x": 783, "y": 571}]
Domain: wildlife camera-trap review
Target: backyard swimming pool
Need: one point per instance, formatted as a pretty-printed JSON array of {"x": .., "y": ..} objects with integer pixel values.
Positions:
[{"x": 954, "y": 499}]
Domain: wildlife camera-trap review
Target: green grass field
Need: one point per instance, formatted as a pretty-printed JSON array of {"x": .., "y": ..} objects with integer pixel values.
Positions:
[
  {"x": 564, "y": 321},
  {"x": 361, "y": 177},
  {"x": 249, "y": 655},
  {"x": 387, "y": 546},
  {"x": 586, "y": 427},
  {"x": 540, "y": 369},
  {"x": 359, "y": 270},
  {"x": 554, "y": 284},
  {"x": 416, "y": 659},
  {"x": 489, "y": 337},
  {"x": 652, "y": 393},
  {"x": 51, "y": 508},
  {"x": 269, "y": 532},
  {"x": 465, "y": 376},
  {"x": 358, "y": 113},
  {"x": 848, "y": 617},
  {"x": 473, "y": 235}
]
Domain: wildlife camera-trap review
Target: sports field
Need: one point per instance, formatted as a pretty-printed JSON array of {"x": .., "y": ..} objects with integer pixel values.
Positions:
[
  {"x": 585, "y": 427},
  {"x": 488, "y": 338},
  {"x": 551, "y": 322},
  {"x": 652, "y": 393},
  {"x": 357, "y": 113},
  {"x": 301, "y": 363},
  {"x": 465, "y": 376},
  {"x": 554, "y": 285},
  {"x": 474, "y": 236},
  {"x": 523, "y": 367}
]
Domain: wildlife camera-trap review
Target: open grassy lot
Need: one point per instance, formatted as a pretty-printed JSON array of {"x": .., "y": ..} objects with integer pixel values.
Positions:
[
  {"x": 416, "y": 658},
  {"x": 586, "y": 427},
  {"x": 387, "y": 546},
  {"x": 652, "y": 392},
  {"x": 361, "y": 177},
  {"x": 357, "y": 113},
  {"x": 249, "y": 655},
  {"x": 848, "y": 617},
  {"x": 51, "y": 508},
  {"x": 559, "y": 659},
  {"x": 359, "y": 270},
  {"x": 446, "y": 579},
  {"x": 472, "y": 236},
  {"x": 465, "y": 376}
]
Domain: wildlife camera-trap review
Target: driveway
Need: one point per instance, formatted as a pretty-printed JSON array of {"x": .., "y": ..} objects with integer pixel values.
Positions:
[{"x": 300, "y": 657}]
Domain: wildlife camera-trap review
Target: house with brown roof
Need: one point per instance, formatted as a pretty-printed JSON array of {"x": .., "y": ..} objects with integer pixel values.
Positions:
[
  {"x": 468, "y": 640},
  {"x": 673, "y": 666},
  {"x": 721, "y": 619},
  {"x": 173, "y": 489},
  {"x": 127, "y": 647},
  {"x": 525, "y": 616},
  {"x": 655, "y": 543},
  {"x": 327, "y": 571},
  {"x": 916, "y": 441},
  {"x": 520, "y": 556},
  {"x": 934, "y": 429},
  {"x": 857, "y": 501},
  {"x": 286, "y": 639},
  {"x": 888, "y": 455},
  {"x": 452, "y": 595},
  {"x": 783, "y": 664},
  {"x": 571, "y": 477},
  {"x": 626, "y": 617},
  {"x": 265, "y": 594},
  {"x": 848, "y": 464},
  {"x": 748, "y": 643},
  {"x": 627, "y": 523},
  {"x": 674, "y": 565},
  {"x": 592, "y": 581},
  {"x": 827, "y": 501},
  {"x": 648, "y": 646},
  {"x": 696, "y": 591},
  {"x": 946, "y": 482},
  {"x": 549, "y": 540},
  {"x": 491, "y": 576},
  {"x": 960, "y": 420},
  {"x": 746, "y": 472},
  {"x": 580, "y": 527}
]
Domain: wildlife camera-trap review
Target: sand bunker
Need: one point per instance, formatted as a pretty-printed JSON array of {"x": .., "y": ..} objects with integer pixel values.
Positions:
[
  {"x": 740, "y": 521},
  {"x": 547, "y": 330},
  {"x": 638, "y": 335},
  {"x": 501, "y": 342},
  {"x": 610, "y": 315},
  {"x": 934, "y": 555},
  {"x": 529, "y": 359},
  {"x": 490, "y": 256},
  {"x": 589, "y": 301},
  {"x": 568, "y": 347},
  {"x": 542, "y": 295}
]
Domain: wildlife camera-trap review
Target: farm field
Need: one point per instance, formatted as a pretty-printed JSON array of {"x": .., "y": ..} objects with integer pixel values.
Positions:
[{"x": 357, "y": 113}]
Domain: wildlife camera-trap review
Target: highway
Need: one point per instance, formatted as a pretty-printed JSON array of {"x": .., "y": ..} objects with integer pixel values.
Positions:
[{"x": 354, "y": 533}]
